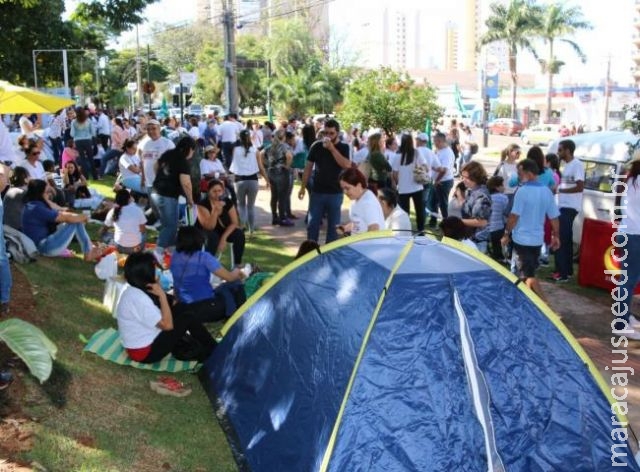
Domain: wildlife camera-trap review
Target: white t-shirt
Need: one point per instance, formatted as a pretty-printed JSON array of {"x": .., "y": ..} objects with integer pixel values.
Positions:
[
  {"x": 447, "y": 160},
  {"x": 126, "y": 161},
  {"x": 630, "y": 223},
  {"x": 35, "y": 171},
  {"x": 365, "y": 212},
  {"x": 571, "y": 173},
  {"x": 360, "y": 155},
  {"x": 207, "y": 166},
  {"x": 194, "y": 132},
  {"x": 228, "y": 131},
  {"x": 137, "y": 318},
  {"x": 26, "y": 127},
  {"x": 507, "y": 170},
  {"x": 127, "y": 228},
  {"x": 244, "y": 164},
  {"x": 406, "y": 184},
  {"x": 431, "y": 159},
  {"x": 150, "y": 151},
  {"x": 398, "y": 220}
]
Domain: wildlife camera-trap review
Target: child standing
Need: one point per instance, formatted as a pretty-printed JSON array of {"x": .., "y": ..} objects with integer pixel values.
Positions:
[{"x": 499, "y": 213}]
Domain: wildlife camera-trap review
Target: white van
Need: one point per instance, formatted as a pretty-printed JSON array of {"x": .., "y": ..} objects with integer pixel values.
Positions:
[{"x": 604, "y": 155}]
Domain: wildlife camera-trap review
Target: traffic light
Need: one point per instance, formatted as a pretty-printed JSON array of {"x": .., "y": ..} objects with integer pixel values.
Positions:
[{"x": 176, "y": 100}]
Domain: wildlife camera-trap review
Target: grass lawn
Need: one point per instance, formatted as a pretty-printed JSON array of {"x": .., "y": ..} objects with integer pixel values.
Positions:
[{"x": 92, "y": 415}]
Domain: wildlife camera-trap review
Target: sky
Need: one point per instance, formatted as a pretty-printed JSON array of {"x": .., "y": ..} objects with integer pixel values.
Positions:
[{"x": 611, "y": 36}]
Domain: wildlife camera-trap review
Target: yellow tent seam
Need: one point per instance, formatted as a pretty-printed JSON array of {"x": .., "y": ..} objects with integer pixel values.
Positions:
[
  {"x": 294, "y": 265},
  {"x": 363, "y": 345}
]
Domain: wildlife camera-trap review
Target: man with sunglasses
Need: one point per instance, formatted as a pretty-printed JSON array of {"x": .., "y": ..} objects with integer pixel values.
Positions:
[{"x": 327, "y": 158}]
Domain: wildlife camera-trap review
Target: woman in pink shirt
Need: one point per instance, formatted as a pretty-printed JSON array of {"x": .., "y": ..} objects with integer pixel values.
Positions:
[{"x": 69, "y": 153}]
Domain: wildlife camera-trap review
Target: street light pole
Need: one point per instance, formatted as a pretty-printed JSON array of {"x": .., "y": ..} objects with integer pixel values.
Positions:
[
  {"x": 34, "y": 54},
  {"x": 231, "y": 80}
]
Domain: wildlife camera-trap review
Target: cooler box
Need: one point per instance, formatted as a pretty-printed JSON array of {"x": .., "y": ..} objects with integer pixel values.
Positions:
[{"x": 595, "y": 255}]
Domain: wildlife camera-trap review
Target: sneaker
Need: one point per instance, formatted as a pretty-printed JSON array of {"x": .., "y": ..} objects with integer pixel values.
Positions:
[
  {"x": 433, "y": 222},
  {"x": 169, "y": 386},
  {"x": 634, "y": 322},
  {"x": 557, "y": 278},
  {"x": 544, "y": 262},
  {"x": 286, "y": 222},
  {"x": 6, "y": 378}
]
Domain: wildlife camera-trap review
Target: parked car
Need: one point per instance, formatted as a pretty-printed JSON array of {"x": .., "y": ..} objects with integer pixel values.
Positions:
[
  {"x": 212, "y": 109},
  {"x": 541, "y": 134},
  {"x": 195, "y": 109},
  {"x": 604, "y": 155},
  {"x": 506, "y": 126}
]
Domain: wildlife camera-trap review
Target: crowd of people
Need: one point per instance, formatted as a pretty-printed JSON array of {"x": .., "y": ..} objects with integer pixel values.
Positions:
[{"x": 200, "y": 180}]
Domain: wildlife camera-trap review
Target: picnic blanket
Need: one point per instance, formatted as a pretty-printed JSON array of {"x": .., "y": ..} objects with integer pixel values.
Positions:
[{"x": 106, "y": 343}]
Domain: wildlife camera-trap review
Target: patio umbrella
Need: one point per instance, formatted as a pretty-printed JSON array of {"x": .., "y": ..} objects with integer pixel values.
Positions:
[{"x": 15, "y": 99}]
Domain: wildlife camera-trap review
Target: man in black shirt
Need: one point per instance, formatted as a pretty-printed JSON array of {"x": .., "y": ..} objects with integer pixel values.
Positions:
[{"x": 330, "y": 157}]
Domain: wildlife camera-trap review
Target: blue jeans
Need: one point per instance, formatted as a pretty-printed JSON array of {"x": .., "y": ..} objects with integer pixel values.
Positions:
[
  {"x": 564, "y": 255},
  {"x": 85, "y": 158},
  {"x": 5, "y": 270},
  {"x": 246, "y": 192},
  {"x": 279, "y": 184},
  {"x": 166, "y": 208},
  {"x": 55, "y": 243},
  {"x": 442, "y": 191},
  {"x": 56, "y": 148},
  {"x": 106, "y": 158},
  {"x": 319, "y": 204},
  {"x": 632, "y": 265},
  {"x": 134, "y": 183}
]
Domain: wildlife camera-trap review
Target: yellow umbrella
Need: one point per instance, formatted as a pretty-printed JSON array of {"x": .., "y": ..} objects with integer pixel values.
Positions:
[{"x": 14, "y": 99}]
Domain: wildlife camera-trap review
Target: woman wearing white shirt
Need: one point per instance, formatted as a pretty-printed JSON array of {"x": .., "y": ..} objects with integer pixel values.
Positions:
[
  {"x": 395, "y": 217},
  {"x": 403, "y": 165},
  {"x": 246, "y": 166},
  {"x": 365, "y": 212},
  {"x": 129, "y": 222},
  {"x": 130, "y": 167}
]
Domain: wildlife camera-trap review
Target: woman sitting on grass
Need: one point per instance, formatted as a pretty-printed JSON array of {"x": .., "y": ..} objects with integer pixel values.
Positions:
[
  {"x": 41, "y": 223},
  {"x": 191, "y": 268},
  {"x": 129, "y": 222},
  {"x": 147, "y": 327}
]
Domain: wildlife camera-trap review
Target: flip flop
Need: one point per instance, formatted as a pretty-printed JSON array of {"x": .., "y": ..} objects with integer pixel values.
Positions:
[{"x": 174, "y": 389}]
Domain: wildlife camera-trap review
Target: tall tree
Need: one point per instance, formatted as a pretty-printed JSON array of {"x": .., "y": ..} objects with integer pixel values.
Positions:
[
  {"x": 116, "y": 15},
  {"x": 559, "y": 21},
  {"x": 515, "y": 24},
  {"x": 389, "y": 100}
]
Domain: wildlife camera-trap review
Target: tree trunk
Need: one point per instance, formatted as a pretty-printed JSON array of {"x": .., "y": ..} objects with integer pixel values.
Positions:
[
  {"x": 550, "y": 69},
  {"x": 513, "y": 68}
]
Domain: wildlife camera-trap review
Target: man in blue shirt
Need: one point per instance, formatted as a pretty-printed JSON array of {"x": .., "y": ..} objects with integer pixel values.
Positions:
[{"x": 525, "y": 225}]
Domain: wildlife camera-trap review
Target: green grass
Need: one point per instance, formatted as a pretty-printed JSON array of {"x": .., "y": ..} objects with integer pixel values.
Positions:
[{"x": 93, "y": 415}]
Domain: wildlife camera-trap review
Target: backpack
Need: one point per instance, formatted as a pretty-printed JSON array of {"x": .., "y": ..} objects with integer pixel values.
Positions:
[{"x": 19, "y": 246}]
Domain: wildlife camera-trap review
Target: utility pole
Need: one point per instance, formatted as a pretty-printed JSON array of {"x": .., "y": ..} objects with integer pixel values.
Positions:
[
  {"x": 138, "y": 70},
  {"x": 607, "y": 93},
  {"x": 149, "y": 72},
  {"x": 231, "y": 79}
]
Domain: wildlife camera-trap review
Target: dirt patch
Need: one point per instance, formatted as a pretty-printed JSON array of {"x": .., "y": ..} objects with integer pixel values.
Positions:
[{"x": 16, "y": 430}]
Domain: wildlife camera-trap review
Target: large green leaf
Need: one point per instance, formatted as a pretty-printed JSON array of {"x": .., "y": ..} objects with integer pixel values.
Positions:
[{"x": 30, "y": 344}]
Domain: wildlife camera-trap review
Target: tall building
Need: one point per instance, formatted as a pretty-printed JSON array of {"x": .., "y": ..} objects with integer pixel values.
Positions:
[
  {"x": 471, "y": 24},
  {"x": 451, "y": 47}
]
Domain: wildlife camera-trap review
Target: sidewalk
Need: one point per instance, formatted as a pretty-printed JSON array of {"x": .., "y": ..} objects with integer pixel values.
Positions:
[{"x": 587, "y": 318}]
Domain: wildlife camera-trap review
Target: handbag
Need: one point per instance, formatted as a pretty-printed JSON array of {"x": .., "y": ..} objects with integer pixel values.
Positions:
[{"x": 420, "y": 174}]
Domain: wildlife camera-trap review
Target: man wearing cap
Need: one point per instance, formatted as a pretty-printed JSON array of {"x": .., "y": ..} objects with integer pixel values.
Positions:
[{"x": 151, "y": 147}]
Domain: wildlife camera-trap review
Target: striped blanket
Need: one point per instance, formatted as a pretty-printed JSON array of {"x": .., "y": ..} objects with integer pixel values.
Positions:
[{"x": 106, "y": 343}]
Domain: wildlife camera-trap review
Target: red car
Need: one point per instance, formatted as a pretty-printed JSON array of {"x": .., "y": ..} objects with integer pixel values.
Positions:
[{"x": 506, "y": 127}]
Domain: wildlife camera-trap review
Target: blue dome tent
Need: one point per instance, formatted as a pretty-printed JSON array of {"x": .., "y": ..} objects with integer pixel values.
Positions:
[{"x": 386, "y": 353}]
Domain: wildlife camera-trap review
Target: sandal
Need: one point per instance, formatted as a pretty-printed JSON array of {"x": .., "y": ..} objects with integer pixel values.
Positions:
[{"x": 169, "y": 386}]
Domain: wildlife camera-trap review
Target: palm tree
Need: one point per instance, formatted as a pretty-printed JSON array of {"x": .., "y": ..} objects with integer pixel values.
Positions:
[
  {"x": 558, "y": 21},
  {"x": 514, "y": 24}
]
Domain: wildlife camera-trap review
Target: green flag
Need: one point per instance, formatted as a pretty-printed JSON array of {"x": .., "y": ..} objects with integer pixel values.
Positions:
[
  {"x": 427, "y": 131},
  {"x": 458, "y": 99}
]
